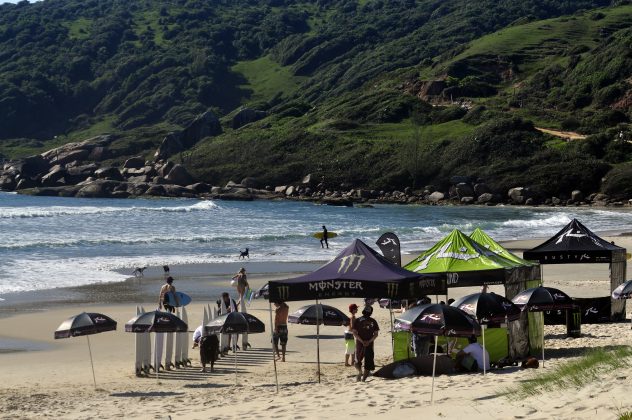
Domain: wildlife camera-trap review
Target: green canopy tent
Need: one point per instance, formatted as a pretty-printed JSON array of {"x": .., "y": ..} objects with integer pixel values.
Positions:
[
  {"x": 488, "y": 243},
  {"x": 467, "y": 263},
  {"x": 464, "y": 261}
]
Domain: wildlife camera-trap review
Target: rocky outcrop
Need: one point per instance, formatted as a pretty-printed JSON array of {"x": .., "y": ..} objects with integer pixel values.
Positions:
[
  {"x": 203, "y": 126},
  {"x": 246, "y": 116},
  {"x": 178, "y": 175}
]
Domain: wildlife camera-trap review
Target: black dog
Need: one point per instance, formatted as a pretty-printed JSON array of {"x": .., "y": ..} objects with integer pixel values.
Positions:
[
  {"x": 244, "y": 254},
  {"x": 209, "y": 351},
  {"x": 138, "y": 272}
]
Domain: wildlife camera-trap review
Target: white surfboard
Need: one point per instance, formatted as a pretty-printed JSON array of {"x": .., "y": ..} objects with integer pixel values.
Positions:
[
  {"x": 146, "y": 346},
  {"x": 159, "y": 344},
  {"x": 138, "y": 364},
  {"x": 185, "y": 340}
]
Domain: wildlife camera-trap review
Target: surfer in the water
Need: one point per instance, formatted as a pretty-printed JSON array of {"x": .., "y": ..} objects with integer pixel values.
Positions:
[
  {"x": 324, "y": 238},
  {"x": 163, "y": 299}
]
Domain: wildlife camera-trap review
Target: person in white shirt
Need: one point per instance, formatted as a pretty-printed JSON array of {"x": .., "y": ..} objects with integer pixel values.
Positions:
[
  {"x": 475, "y": 350},
  {"x": 197, "y": 334}
]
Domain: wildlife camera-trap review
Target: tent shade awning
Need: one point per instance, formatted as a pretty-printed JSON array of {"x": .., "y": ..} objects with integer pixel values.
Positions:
[
  {"x": 358, "y": 271},
  {"x": 574, "y": 244}
]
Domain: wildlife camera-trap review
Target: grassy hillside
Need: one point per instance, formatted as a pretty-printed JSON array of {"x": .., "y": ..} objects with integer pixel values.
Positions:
[{"x": 342, "y": 82}]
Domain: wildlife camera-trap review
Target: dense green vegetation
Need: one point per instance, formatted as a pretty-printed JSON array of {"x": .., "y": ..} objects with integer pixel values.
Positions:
[{"x": 339, "y": 80}]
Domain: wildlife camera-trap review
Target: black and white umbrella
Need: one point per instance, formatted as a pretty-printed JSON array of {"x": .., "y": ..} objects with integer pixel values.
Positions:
[
  {"x": 623, "y": 291},
  {"x": 86, "y": 323},
  {"x": 235, "y": 323},
  {"x": 318, "y": 314},
  {"x": 488, "y": 308},
  {"x": 158, "y": 322},
  {"x": 540, "y": 299},
  {"x": 437, "y": 319}
]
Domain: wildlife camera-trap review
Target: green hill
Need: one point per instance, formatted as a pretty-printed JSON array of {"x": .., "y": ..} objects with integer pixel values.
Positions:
[{"x": 379, "y": 94}]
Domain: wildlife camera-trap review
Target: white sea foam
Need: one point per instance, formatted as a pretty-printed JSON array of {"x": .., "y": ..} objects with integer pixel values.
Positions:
[{"x": 56, "y": 211}]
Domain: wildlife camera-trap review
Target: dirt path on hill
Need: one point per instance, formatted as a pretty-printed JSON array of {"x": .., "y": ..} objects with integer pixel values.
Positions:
[{"x": 563, "y": 134}]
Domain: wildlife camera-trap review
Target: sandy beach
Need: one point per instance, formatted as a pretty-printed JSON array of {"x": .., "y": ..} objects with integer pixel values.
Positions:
[{"x": 43, "y": 377}]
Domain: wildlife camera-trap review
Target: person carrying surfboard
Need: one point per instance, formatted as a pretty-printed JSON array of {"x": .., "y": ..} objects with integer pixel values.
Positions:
[
  {"x": 324, "y": 238},
  {"x": 163, "y": 299}
]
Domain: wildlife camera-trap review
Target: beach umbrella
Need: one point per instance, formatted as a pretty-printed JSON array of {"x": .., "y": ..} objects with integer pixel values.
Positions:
[
  {"x": 436, "y": 319},
  {"x": 262, "y": 292},
  {"x": 86, "y": 323},
  {"x": 623, "y": 291},
  {"x": 158, "y": 322},
  {"x": 318, "y": 314},
  {"x": 539, "y": 299},
  {"x": 488, "y": 308},
  {"x": 235, "y": 323}
]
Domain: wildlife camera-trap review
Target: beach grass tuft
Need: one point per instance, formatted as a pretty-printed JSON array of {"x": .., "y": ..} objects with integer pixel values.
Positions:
[
  {"x": 627, "y": 415},
  {"x": 575, "y": 373}
]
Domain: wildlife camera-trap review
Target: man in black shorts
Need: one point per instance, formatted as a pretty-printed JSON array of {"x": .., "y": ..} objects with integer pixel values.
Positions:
[
  {"x": 280, "y": 328},
  {"x": 365, "y": 331}
]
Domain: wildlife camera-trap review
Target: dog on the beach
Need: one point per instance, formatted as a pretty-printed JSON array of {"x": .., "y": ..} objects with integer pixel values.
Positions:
[
  {"x": 139, "y": 272},
  {"x": 244, "y": 254},
  {"x": 530, "y": 363},
  {"x": 209, "y": 351}
]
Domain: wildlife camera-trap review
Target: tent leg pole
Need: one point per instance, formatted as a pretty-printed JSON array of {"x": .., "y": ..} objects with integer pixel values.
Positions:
[
  {"x": 91, "y": 362},
  {"x": 390, "y": 309},
  {"x": 434, "y": 366},
  {"x": 542, "y": 340},
  {"x": 317, "y": 341},
  {"x": 484, "y": 364},
  {"x": 276, "y": 376},
  {"x": 235, "y": 353}
]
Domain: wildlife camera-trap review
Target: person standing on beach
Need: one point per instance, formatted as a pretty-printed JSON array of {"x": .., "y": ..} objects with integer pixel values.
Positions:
[
  {"x": 225, "y": 305},
  {"x": 365, "y": 331},
  {"x": 280, "y": 328},
  {"x": 324, "y": 238},
  {"x": 349, "y": 338},
  {"x": 163, "y": 299},
  {"x": 241, "y": 282}
]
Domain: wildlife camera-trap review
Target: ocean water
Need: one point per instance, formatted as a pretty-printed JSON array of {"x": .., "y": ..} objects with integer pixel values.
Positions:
[{"x": 50, "y": 242}]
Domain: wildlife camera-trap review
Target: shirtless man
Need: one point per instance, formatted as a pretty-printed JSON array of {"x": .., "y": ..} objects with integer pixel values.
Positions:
[
  {"x": 280, "y": 328},
  {"x": 163, "y": 299}
]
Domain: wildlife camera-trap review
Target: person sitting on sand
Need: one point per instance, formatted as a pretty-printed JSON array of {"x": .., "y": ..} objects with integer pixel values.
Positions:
[
  {"x": 365, "y": 331},
  {"x": 475, "y": 351},
  {"x": 349, "y": 338},
  {"x": 280, "y": 328},
  {"x": 163, "y": 299}
]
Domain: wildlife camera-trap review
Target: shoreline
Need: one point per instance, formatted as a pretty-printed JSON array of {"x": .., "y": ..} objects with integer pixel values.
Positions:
[{"x": 199, "y": 280}]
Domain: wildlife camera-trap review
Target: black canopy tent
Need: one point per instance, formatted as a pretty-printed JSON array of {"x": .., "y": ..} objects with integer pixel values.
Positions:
[
  {"x": 358, "y": 271},
  {"x": 576, "y": 244}
]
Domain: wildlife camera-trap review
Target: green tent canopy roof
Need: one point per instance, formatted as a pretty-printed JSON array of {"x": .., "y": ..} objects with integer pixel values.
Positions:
[
  {"x": 458, "y": 253},
  {"x": 488, "y": 243}
]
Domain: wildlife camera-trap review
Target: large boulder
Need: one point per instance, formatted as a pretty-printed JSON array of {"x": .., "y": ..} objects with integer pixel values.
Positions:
[
  {"x": 69, "y": 156},
  {"x": 178, "y": 191},
  {"x": 577, "y": 196},
  {"x": 33, "y": 166},
  {"x": 163, "y": 170},
  {"x": 436, "y": 196},
  {"x": 246, "y": 116},
  {"x": 200, "y": 187},
  {"x": 100, "y": 188},
  {"x": 135, "y": 162},
  {"x": 518, "y": 195},
  {"x": 170, "y": 145},
  {"x": 109, "y": 172},
  {"x": 179, "y": 176},
  {"x": 7, "y": 182},
  {"x": 156, "y": 190},
  {"x": 137, "y": 188},
  {"x": 481, "y": 188},
  {"x": 464, "y": 189},
  {"x": 51, "y": 178}
]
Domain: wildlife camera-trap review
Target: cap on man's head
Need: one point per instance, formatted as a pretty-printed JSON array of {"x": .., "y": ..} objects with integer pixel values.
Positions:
[
  {"x": 169, "y": 279},
  {"x": 368, "y": 310},
  {"x": 353, "y": 307}
]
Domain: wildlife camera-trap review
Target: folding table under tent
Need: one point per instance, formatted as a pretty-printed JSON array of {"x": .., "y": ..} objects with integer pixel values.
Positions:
[
  {"x": 465, "y": 263},
  {"x": 576, "y": 244}
]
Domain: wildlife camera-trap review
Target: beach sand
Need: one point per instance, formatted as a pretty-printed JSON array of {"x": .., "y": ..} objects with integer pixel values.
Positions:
[{"x": 42, "y": 377}]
